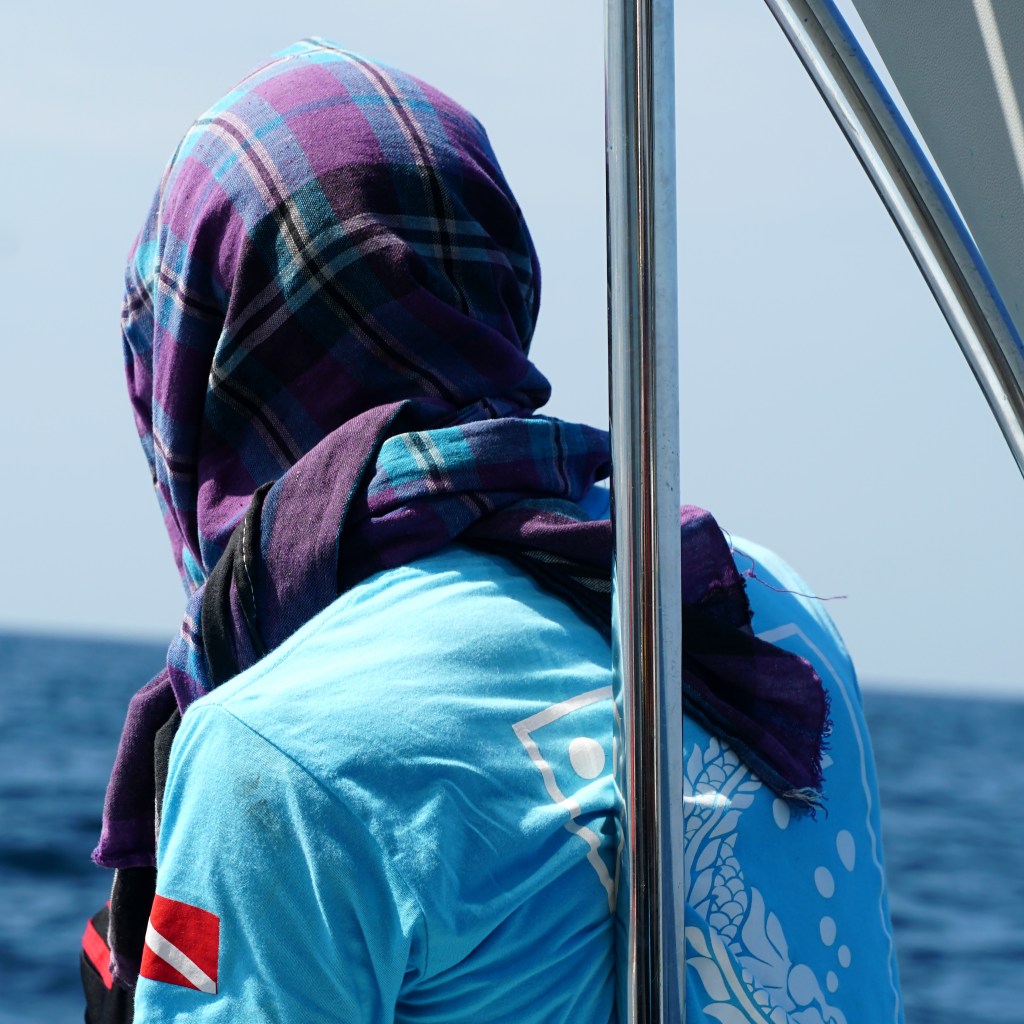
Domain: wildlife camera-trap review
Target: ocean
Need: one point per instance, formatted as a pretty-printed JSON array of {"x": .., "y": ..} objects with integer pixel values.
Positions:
[{"x": 951, "y": 775}]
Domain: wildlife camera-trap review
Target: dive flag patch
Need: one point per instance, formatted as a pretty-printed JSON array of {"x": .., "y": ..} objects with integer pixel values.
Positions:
[{"x": 181, "y": 948}]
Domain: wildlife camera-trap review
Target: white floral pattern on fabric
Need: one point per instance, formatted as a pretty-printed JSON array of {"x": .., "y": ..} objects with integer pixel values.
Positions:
[
  {"x": 787, "y": 914},
  {"x": 743, "y": 959}
]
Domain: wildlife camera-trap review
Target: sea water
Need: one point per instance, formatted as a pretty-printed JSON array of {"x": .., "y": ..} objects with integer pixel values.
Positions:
[{"x": 952, "y": 782}]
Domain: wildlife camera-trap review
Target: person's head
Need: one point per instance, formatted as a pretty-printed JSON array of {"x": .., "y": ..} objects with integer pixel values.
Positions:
[{"x": 331, "y": 236}]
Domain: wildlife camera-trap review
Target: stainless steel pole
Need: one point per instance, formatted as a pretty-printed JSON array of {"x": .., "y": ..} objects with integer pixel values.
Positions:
[
  {"x": 643, "y": 351},
  {"x": 875, "y": 131}
]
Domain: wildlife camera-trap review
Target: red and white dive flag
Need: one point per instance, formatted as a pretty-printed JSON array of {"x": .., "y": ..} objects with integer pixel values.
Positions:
[{"x": 181, "y": 946}]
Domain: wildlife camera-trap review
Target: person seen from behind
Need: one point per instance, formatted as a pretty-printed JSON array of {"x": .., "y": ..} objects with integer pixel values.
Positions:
[{"x": 374, "y": 782}]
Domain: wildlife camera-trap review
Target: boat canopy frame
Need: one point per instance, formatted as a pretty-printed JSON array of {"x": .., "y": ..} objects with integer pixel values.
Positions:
[{"x": 644, "y": 412}]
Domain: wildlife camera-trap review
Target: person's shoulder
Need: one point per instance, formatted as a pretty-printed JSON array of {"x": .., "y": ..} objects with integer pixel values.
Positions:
[
  {"x": 457, "y": 626},
  {"x": 454, "y": 604}
]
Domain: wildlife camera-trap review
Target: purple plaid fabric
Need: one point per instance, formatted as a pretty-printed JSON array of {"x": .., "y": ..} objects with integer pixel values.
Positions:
[{"x": 326, "y": 328}]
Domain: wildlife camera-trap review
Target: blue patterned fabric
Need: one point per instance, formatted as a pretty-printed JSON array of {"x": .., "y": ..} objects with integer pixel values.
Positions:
[{"x": 787, "y": 916}]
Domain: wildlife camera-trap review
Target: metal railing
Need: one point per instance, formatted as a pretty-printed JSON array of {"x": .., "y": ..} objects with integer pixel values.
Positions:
[
  {"x": 917, "y": 202},
  {"x": 643, "y": 347},
  {"x": 643, "y": 351}
]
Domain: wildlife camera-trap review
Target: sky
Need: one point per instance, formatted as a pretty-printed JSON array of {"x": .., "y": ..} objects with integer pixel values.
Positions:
[{"x": 826, "y": 410}]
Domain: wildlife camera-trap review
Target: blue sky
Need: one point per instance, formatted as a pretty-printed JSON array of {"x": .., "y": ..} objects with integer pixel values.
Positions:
[{"x": 827, "y": 412}]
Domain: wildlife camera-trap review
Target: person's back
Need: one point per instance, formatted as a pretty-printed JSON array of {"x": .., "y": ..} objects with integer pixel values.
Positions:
[{"x": 404, "y": 812}]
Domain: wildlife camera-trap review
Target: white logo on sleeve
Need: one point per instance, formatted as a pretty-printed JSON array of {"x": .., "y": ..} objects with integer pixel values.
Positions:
[{"x": 569, "y": 760}]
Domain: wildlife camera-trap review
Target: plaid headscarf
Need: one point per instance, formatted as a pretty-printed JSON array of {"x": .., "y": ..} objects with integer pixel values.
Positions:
[{"x": 326, "y": 328}]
